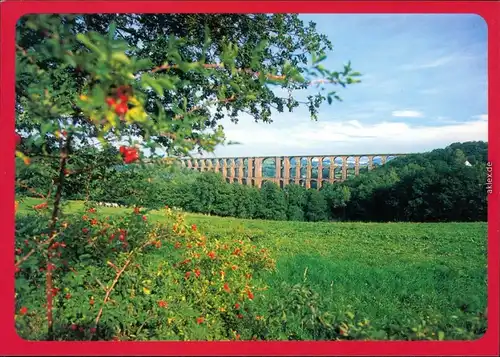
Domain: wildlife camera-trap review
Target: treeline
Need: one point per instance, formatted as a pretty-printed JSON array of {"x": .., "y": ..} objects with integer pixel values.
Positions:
[{"x": 433, "y": 186}]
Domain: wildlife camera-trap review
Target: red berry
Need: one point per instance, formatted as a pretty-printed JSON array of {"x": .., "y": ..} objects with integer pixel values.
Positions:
[
  {"x": 144, "y": 218},
  {"x": 123, "y": 98},
  {"x": 162, "y": 303},
  {"x": 110, "y": 101},
  {"x": 193, "y": 227},
  {"x": 236, "y": 306},
  {"x": 23, "y": 310},
  {"x": 200, "y": 320},
  {"x": 73, "y": 327},
  {"x": 68, "y": 296},
  {"x": 121, "y": 108},
  {"x": 226, "y": 288}
]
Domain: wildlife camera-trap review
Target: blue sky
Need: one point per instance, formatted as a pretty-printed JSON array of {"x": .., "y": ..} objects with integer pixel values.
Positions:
[{"x": 424, "y": 87}]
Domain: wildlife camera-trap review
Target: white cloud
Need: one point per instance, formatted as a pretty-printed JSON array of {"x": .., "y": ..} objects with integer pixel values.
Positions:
[
  {"x": 303, "y": 137},
  {"x": 481, "y": 117},
  {"x": 407, "y": 114},
  {"x": 429, "y": 64}
]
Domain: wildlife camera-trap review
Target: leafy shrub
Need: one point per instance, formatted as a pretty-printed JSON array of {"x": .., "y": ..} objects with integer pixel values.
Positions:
[{"x": 108, "y": 286}]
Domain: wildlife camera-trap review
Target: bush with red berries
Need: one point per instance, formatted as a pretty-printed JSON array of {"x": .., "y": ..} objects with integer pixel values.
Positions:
[{"x": 127, "y": 278}]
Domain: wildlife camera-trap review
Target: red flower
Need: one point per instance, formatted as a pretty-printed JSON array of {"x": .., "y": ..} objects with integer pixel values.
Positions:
[
  {"x": 55, "y": 291},
  {"x": 250, "y": 295},
  {"x": 73, "y": 327},
  {"x": 238, "y": 336},
  {"x": 144, "y": 218},
  {"x": 93, "y": 222},
  {"x": 121, "y": 237},
  {"x": 68, "y": 296},
  {"x": 23, "y": 310},
  {"x": 91, "y": 302},
  {"x": 85, "y": 230},
  {"x": 137, "y": 210},
  {"x": 177, "y": 245},
  {"x": 197, "y": 272},
  {"x": 236, "y": 306},
  {"x": 92, "y": 210},
  {"x": 18, "y": 139},
  {"x": 193, "y": 227},
  {"x": 93, "y": 330},
  {"x": 85, "y": 217},
  {"x": 240, "y": 316},
  {"x": 237, "y": 251},
  {"x": 162, "y": 304},
  {"x": 51, "y": 267},
  {"x": 226, "y": 288},
  {"x": 200, "y": 320},
  {"x": 234, "y": 267},
  {"x": 187, "y": 275},
  {"x": 211, "y": 255},
  {"x": 111, "y": 237},
  {"x": 158, "y": 244},
  {"x": 123, "y": 149}
]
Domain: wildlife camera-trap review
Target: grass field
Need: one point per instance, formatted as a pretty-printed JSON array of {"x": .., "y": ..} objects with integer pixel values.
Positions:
[{"x": 386, "y": 272}]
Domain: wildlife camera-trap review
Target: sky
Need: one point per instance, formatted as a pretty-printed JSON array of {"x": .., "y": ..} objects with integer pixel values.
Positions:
[{"x": 424, "y": 86}]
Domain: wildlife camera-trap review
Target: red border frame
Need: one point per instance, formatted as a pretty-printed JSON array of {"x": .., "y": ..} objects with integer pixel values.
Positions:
[{"x": 12, "y": 344}]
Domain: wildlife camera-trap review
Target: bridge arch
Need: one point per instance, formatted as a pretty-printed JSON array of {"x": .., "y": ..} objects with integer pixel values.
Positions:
[{"x": 269, "y": 167}]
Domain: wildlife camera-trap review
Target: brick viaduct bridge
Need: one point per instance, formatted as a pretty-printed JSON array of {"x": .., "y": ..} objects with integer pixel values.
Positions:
[{"x": 308, "y": 171}]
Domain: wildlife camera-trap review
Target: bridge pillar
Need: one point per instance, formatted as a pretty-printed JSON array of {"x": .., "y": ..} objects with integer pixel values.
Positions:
[
  {"x": 224, "y": 168},
  {"x": 356, "y": 166},
  {"x": 195, "y": 166},
  {"x": 231, "y": 170},
  {"x": 286, "y": 169},
  {"x": 217, "y": 166},
  {"x": 308, "y": 172},
  {"x": 258, "y": 171},
  {"x": 320, "y": 172},
  {"x": 250, "y": 176},
  {"x": 383, "y": 159},
  {"x": 297, "y": 170},
  {"x": 331, "y": 171},
  {"x": 370, "y": 163},
  {"x": 202, "y": 165},
  {"x": 344, "y": 168},
  {"x": 240, "y": 170},
  {"x": 277, "y": 171}
]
